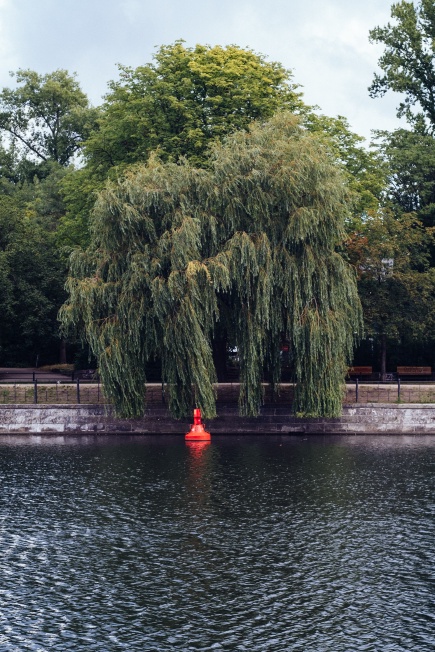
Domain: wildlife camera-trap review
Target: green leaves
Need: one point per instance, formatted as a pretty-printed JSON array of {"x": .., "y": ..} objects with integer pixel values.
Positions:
[
  {"x": 47, "y": 116},
  {"x": 31, "y": 281},
  {"x": 408, "y": 60},
  {"x": 186, "y": 99},
  {"x": 250, "y": 242}
]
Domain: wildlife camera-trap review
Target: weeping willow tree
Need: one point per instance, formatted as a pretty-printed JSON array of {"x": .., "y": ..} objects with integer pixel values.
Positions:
[{"x": 250, "y": 244}]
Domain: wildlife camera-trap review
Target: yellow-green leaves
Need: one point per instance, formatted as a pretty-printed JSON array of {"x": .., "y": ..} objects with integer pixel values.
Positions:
[{"x": 183, "y": 101}]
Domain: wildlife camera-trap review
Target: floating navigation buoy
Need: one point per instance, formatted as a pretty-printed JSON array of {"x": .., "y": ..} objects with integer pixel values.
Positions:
[{"x": 197, "y": 430}]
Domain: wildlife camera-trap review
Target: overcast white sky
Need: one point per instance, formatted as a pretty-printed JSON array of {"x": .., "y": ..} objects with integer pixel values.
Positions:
[{"x": 325, "y": 43}]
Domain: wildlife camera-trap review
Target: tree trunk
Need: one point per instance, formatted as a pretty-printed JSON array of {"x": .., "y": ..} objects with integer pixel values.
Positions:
[
  {"x": 220, "y": 357},
  {"x": 383, "y": 356},
  {"x": 62, "y": 352}
]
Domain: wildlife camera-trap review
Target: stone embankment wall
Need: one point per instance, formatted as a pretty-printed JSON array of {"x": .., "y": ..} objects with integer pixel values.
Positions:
[{"x": 356, "y": 419}]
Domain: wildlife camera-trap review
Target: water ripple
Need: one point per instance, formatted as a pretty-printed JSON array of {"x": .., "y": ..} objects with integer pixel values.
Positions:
[{"x": 140, "y": 544}]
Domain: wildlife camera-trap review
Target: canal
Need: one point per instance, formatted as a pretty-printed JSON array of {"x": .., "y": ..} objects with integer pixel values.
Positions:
[{"x": 310, "y": 544}]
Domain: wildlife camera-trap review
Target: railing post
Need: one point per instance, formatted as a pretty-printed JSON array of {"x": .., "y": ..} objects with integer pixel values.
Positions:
[
  {"x": 33, "y": 376},
  {"x": 35, "y": 391},
  {"x": 398, "y": 389},
  {"x": 356, "y": 390},
  {"x": 78, "y": 390}
]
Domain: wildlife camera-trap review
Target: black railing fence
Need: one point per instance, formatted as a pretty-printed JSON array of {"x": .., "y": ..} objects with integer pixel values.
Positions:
[
  {"x": 79, "y": 391},
  {"x": 395, "y": 391},
  {"x": 51, "y": 392},
  {"x": 46, "y": 376}
]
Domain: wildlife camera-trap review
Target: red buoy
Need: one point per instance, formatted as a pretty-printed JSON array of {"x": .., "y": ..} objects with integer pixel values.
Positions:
[{"x": 197, "y": 430}]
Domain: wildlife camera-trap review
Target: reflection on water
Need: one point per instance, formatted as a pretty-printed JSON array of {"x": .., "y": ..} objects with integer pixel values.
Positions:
[
  {"x": 311, "y": 544},
  {"x": 197, "y": 448}
]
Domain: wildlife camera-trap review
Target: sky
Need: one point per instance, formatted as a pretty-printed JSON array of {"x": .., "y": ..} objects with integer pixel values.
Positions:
[{"x": 324, "y": 43}]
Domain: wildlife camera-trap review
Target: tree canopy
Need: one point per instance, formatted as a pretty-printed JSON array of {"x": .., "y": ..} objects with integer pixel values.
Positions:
[
  {"x": 410, "y": 160},
  {"x": 365, "y": 169},
  {"x": 408, "y": 65},
  {"x": 397, "y": 290},
  {"x": 31, "y": 282},
  {"x": 183, "y": 100},
  {"x": 396, "y": 283},
  {"x": 46, "y": 116},
  {"x": 250, "y": 239},
  {"x": 408, "y": 61},
  {"x": 171, "y": 116},
  {"x": 43, "y": 122}
]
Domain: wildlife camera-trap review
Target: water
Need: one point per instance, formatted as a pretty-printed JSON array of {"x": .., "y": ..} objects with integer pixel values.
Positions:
[{"x": 258, "y": 544}]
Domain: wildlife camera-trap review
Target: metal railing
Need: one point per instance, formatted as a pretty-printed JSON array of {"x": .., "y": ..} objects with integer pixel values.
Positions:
[
  {"x": 51, "y": 392},
  {"x": 89, "y": 392},
  {"x": 395, "y": 391},
  {"x": 46, "y": 376},
  {"x": 67, "y": 392}
]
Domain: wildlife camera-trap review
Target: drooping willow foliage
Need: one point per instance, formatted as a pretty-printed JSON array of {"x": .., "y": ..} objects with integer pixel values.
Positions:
[{"x": 250, "y": 243}]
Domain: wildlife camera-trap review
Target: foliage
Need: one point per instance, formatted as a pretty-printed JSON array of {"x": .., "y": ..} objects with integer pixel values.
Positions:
[
  {"x": 408, "y": 61},
  {"x": 78, "y": 189},
  {"x": 46, "y": 116},
  {"x": 411, "y": 181},
  {"x": 365, "y": 169},
  {"x": 399, "y": 305},
  {"x": 180, "y": 104},
  {"x": 386, "y": 236},
  {"x": 44, "y": 121},
  {"x": 399, "y": 302},
  {"x": 250, "y": 239},
  {"x": 185, "y": 99},
  {"x": 31, "y": 282},
  {"x": 396, "y": 283}
]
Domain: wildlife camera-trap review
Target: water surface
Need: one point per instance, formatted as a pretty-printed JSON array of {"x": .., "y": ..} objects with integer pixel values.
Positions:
[{"x": 260, "y": 544}]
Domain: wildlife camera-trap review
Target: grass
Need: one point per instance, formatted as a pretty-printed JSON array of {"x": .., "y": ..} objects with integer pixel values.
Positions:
[{"x": 58, "y": 368}]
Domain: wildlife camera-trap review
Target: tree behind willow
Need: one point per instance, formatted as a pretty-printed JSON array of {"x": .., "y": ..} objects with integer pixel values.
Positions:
[
  {"x": 185, "y": 99},
  {"x": 256, "y": 232}
]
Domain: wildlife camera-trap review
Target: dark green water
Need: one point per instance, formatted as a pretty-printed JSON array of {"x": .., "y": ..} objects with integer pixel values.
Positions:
[{"x": 257, "y": 544}]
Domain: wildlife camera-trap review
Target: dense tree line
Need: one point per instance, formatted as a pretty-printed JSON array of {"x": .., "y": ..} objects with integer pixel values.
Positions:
[
  {"x": 398, "y": 296},
  {"x": 169, "y": 197}
]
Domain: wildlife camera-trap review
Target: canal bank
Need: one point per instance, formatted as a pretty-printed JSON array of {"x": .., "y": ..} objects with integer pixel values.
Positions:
[{"x": 369, "y": 418}]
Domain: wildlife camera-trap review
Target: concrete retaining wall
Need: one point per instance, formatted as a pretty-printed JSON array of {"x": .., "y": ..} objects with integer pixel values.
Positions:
[{"x": 380, "y": 418}]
